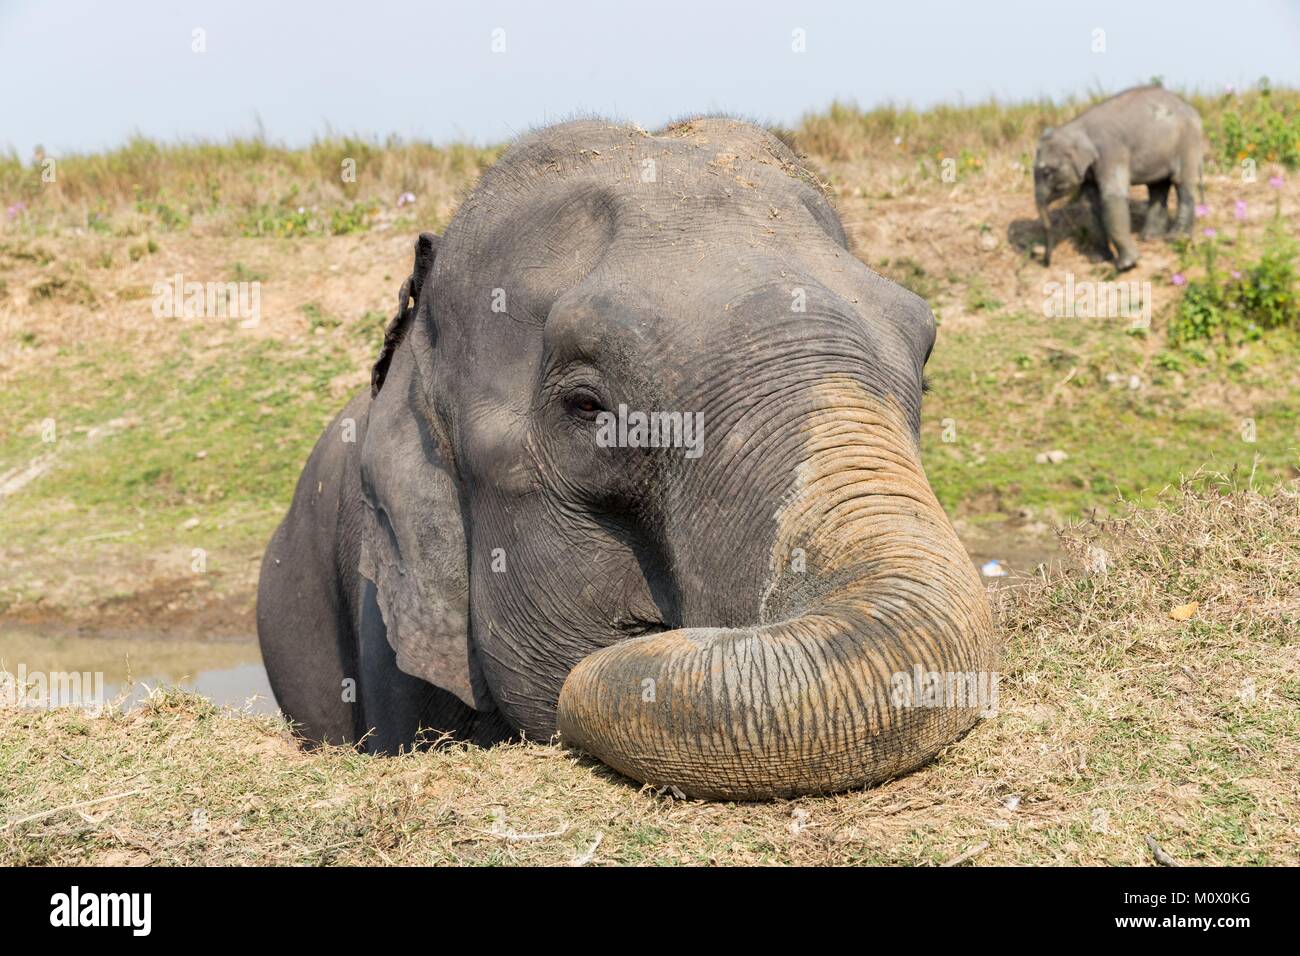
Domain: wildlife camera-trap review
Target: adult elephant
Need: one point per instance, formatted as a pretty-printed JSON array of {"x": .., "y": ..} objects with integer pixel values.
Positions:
[{"x": 738, "y": 612}]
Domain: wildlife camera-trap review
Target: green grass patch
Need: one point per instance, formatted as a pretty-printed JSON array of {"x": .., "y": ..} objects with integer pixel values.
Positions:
[
  {"x": 149, "y": 448},
  {"x": 1261, "y": 126},
  {"x": 1007, "y": 404}
]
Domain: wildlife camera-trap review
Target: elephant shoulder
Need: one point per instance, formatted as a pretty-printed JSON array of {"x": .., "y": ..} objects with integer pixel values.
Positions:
[
  {"x": 336, "y": 453},
  {"x": 306, "y": 585},
  {"x": 327, "y": 495}
]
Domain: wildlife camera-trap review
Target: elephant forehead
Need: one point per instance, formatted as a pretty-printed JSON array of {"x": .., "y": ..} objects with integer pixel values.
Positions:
[
  {"x": 730, "y": 170},
  {"x": 581, "y": 196},
  {"x": 686, "y": 250},
  {"x": 712, "y": 144}
]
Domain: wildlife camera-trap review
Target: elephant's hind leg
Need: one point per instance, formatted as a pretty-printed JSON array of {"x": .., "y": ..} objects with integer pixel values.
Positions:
[
  {"x": 1157, "y": 221},
  {"x": 1186, "y": 214}
]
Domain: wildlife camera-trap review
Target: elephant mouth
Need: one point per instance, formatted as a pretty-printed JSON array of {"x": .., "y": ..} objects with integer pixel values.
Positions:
[{"x": 629, "y": 627}]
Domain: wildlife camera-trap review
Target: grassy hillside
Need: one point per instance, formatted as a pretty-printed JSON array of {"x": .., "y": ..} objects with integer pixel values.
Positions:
[
  {"x": 1116, "y": 721},
  {"x": 176, "y": 442},
  {"x": 1150, "y": 690}
]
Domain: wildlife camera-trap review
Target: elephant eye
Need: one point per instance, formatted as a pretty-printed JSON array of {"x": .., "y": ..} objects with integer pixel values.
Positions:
[{"x": 583, "y": 403}]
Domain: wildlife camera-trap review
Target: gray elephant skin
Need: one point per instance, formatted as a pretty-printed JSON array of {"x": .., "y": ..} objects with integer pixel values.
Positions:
[
  {"x": 477, "y": 562},
  {"x": 1144, "y": 136}
]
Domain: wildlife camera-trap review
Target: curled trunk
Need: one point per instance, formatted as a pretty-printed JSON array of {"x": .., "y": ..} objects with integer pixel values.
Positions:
[{"x": 819, "y": 695}]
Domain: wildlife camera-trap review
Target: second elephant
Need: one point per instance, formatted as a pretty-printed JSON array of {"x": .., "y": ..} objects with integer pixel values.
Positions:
[{"x": 1144, "y": 136}]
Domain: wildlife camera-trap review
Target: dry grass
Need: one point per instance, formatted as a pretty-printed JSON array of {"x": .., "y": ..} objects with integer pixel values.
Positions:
[
  {"x": 845, "y": 132},
  {"x": 208, "y": 188},
  {"x": 343, "y": 184},
  {"x": 1116, "y": 722}
]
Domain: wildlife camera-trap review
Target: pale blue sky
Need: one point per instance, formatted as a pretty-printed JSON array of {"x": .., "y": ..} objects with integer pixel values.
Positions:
[{"x": 82, "y": 75}]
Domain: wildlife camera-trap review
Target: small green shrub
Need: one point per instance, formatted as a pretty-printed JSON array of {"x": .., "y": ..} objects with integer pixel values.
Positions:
[
  {"x": 165, "y": 214},
  {"x": 1170, "y": 362},
  {"x": 139, "y": 250},
  {"x": 285, "y": 220},
  {"x": 279, "y": 221},
  {"x": 354, "y": 218},
  {"x": 1244, "y": 304},
  {"x": 978, "y": 299},
  {"x": 1259, "y": 127},
  {"x": 1266, "y": 293},
  {"x": 1202, "y": 312},
  {"x": 242, "y": 273},
  {"x": 318, "y": 320}
]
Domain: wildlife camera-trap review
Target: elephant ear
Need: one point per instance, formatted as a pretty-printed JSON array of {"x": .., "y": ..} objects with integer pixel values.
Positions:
[
  {"x": 1082, "y": 154},
  {"x": 413, "y": 539}
]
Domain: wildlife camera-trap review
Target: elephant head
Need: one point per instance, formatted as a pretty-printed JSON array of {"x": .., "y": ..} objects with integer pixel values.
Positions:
[
  {"x": 645, "y": 470},
  {"x": 1062, "y": 162}
]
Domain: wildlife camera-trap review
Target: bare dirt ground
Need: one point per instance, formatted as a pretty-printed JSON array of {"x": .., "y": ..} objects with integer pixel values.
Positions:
[{"x": 99, "y": 570}]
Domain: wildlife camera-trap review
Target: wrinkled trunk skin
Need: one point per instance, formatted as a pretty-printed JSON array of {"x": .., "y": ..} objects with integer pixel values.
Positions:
[{"x": 802, "y": 702}]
